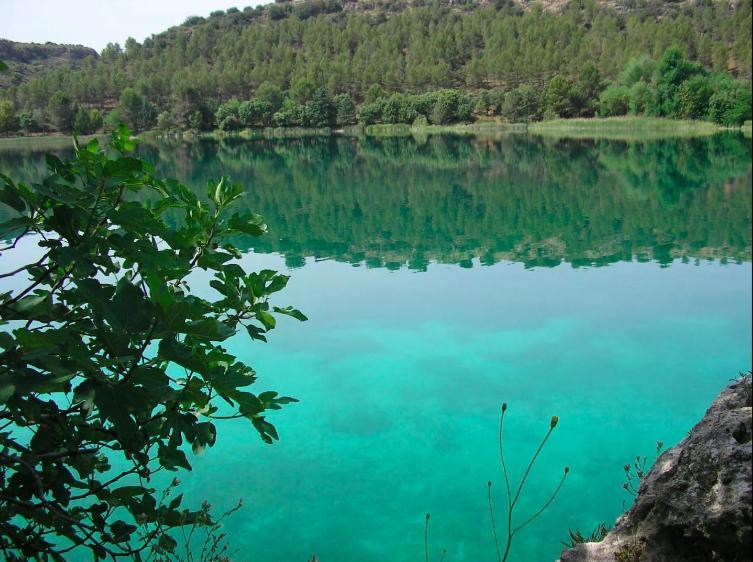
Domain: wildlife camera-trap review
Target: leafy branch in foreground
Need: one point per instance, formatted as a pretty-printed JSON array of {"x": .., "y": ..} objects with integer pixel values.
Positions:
[
  {"x": 111, "y": 365},
  {"x": 512, "y": 500}
]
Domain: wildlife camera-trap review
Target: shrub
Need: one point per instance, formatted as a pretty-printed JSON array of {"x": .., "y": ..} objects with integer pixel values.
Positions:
[
  {"x": 673, "y": 69},
  {"x": 166, "y": 121},
  {"x": 319, "y": 111},
  {"x": 135, "y": 110},
  {"x": 8, "y": 119},
  {"x": 638, "y": 69},
  {"x": 288, "y": 115},
  {"x": 370, "y": 113},
  {"x": 270, "y": 93},
  {"x": 374, "y": 93},
  {"x": 464, "y": 109},
  {"x": 255, "y": 113},
  {"x": 614, "y": 100},
  {"x": 112, "y": 120},
  {"x": 558, "y": 96},
  {"x": 59, "y": 110},
  {"x": 345, "y": 110},
  {"x": 31, "y": 120},
  {"x": 399, "y": 108},
  {"x": 692, "y": 98},
  {"x": 193, "y": 20},
  {"x": 523, "y": 104},
  {"x": 87, "y": 121},
  {"x": 641, "y": 98},
  {"x": 730, "y": 104},
  {"x": 444, "y": 109}
]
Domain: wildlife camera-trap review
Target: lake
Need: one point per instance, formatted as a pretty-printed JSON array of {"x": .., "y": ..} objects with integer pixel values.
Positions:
[{"x": 602, "y": 281}]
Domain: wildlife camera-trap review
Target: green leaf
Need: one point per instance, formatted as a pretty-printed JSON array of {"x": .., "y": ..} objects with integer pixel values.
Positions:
[
  {"x": 129, "y": 309},
  {"x": 266, "y": 430},
  {"x": 256, "y": 333},
  {"x": 252, "y": 224},
  {"x": 122, "y": 141},
  {"x": 217, "y": 193},
  {"x": 279, "y": 282},
  {"x": 209, "y": 329},
  {"x": 206, "y": 435},
  {"x": 136, "y": 218},
  {"x": 110, "y": 402},
  {"x": 172, "y": 457},
  {"x": 267, "y": 319},
  {"x": 175, "y": 502},
  {"x": 14, "y": 225},
  {"x": 290, "y": 311},
  {"x": 248, "y": 404},
  {"x": 55, "y": 163},
  {"x": 9, "y": 195},
  {"x": 36, "y": 307},
  {"x": 186, "y": 356},
  {"x": 167, "y": 543},
  {"x": 7, "y": 388},
  {"x": 126, "y": 492},
  {"x": 3, "y": 66},
  {"x": 121, "y": 531},
  {"x": 123, "y": 167}
]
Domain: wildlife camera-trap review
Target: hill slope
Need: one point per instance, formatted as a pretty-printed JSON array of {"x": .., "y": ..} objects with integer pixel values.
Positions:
[
  {"x": 27, "y": 60},
  {"x": 394, "y": 46}
]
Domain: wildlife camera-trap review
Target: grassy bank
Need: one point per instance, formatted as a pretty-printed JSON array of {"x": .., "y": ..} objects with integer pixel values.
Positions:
[
  {"x": 270, "y": 133},
  {"x": 624, "y": 128},
  {"x": 616, "y": 128},
  {"x": 481, "y": 128},
  {"x": 44, "y": 142}
]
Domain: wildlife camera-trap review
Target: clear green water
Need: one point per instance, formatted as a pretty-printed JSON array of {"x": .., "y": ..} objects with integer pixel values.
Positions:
[{"x": 604, "y": 282}]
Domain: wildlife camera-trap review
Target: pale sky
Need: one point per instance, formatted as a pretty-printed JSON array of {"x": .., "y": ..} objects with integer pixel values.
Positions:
[{"x": 95, "y": 23}]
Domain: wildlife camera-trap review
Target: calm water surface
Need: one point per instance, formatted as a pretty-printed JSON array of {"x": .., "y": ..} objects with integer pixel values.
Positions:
[{"x": 605, "y": 282}]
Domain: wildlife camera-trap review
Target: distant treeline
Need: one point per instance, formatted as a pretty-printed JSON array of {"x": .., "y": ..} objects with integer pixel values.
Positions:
[
  {"x": 671, "y": 87},
  {"x": 321, "y": 63},
  {"x": 399, "y": 202}
]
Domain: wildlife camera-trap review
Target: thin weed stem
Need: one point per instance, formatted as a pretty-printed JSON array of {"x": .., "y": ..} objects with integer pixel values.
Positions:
[
  {"x": 494, "y": 526},
  {"x": 530, "y": 465},
  {"x": 512, "y": 501},
  {"x": 547, "y": 504},
  {"x": 426, "y": 538},
  {"x": 502, "y": 454}
]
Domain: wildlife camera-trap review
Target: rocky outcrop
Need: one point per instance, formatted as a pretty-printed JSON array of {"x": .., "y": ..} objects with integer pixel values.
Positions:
[{"x": 695, "y": 502}]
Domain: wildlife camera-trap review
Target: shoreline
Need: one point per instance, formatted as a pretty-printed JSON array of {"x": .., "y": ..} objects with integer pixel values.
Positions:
[{"x": 608, "y": 128}]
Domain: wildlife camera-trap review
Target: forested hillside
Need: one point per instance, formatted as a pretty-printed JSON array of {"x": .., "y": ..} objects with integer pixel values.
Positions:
[
  {"x": 26, "y": 60},
  {"x": 368, "y": 50}
]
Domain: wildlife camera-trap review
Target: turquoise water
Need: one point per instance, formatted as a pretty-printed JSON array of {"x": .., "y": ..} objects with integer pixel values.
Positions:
[{"x": 607, "y": 283}]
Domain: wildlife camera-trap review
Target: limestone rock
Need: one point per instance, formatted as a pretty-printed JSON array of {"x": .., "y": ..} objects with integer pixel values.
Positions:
[{"x": 695, "y": 502}]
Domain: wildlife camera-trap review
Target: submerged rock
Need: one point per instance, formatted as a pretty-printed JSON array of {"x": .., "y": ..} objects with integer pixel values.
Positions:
[{"x": 695, "y": 502}]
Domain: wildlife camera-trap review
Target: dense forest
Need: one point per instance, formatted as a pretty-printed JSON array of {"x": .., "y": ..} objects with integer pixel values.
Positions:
[
  {"x": 332, "y": 63},
  {"x": 400, "y": 202}
]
